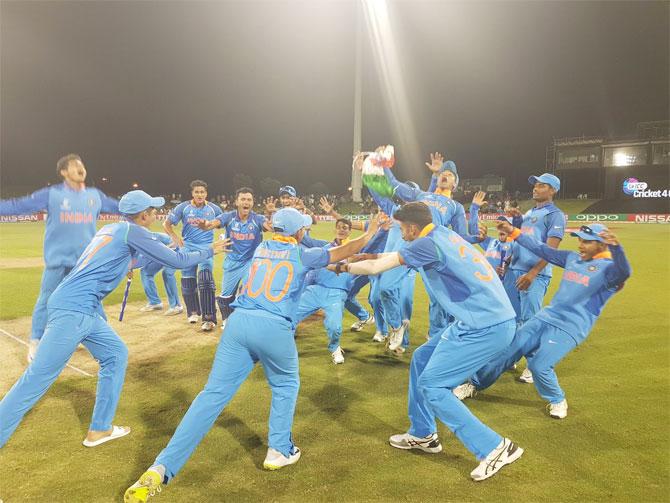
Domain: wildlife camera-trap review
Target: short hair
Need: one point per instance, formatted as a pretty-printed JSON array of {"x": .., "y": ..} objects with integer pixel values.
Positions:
[
  {"x": 244, "y": 190},
  {"x": 414, "y": 213},
  {"x": 198, "y": 183},
  {"x": 65, "y": 161},
  {"x": 344, "y": 221}
]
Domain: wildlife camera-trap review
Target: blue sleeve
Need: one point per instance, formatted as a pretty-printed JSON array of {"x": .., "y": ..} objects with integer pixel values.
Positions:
[
  {"x": 473, "y": 223},
  {"x": 419, "y": 253},
  {"x": 37, "y": 201},
  {"x": 225, "y": 217},
  {"x": 147, "y": 244},
  {"x": 217, "y": 209},
  {"x": 517, "y": 221},
  {"x": 260, "y": 220},
  {"x": 309, "y": 242},
  {"x": 139, "y": 262},
  {"x": 384, "y": 203},
  {"x": 433, "y": 184},
  {"x": 551, "y": 255},
  {"x": 109, "y": 204},
  {"x": 163, "y": 238},
  {"x": 175, "y": 215},
  {"x": 458, "y": 225},
  {"x": 485, "y": 243},
  {"x": 555, "y": 225},
  {"x": 314, "y": 258},
  {"x": 402, "y": 190},
  {"x": 620, "y": 270},
  {"x": 377, "y": 242}
]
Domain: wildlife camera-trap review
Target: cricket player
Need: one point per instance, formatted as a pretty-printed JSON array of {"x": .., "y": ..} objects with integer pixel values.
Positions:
[
  {"x": 149, "y": 269},
  {"x": 592, "y": 276},
  {"x": 466, "y": 286},
  {"x": 72, "y": 211},
  {"x": 530, "y": 273},
  {"x": 245, "y": 228},
  {"x": 260, "y": 329},
  {"x": 76, "y": 316},
  {"x": 197, "y": 282}
]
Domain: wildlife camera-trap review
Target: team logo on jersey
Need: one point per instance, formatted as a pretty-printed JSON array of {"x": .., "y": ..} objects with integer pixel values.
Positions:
[
  {"x": 592, "y": 268},
  {"x": 65, "y": 205},
  {"x": 236, "y": 226},
  {"x": 251, "y": 227},
  {"x": 533, "y": 220}
]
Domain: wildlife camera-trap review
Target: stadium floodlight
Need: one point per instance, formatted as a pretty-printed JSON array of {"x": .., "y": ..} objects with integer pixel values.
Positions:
[
  {"x": 621, "y": 159},
  {"x": 392, "y": 85}
]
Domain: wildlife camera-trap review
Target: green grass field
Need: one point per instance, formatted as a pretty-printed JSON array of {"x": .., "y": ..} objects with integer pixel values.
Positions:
[{"x": 613, "y": 446}]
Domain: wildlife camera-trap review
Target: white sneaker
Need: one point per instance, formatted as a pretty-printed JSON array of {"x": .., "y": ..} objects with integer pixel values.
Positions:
[
  {"x": 558, "y": 410},
  {"x": 151, "y": 307},
  {"x": 395, "y": 335},
  {"x": 378, "y": 337},
  {"x": 358, "y": 326},
  {"x": 337, "y": 356},
  {"x": 507, "y": 452},
  {"x": 33, "y": 344},
  {"x": 274, "y": 460},
  {"x": 526, "y": 376},
  {"x": 194, "y": 318},
  {"x": 173, "y": 311},
  {"x": 431, "y": 443},
  {"x": 399, "y": 351},
  {"x": 207, "y": 326},
  {"x": 465, "y": 390}
]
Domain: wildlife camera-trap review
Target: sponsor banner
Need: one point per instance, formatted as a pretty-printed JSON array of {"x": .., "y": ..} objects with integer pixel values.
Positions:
[
  {"x": 324, "y": 218},
  {"x": 645, "y": 218},
  {"x": 107, "y": 217},
  {"x": 14, "y": 219},
  {"x": 598, "y": 217}
]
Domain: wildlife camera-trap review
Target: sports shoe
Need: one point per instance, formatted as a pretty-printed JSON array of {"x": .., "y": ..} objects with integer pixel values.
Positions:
[
  {"x": 507, "y": 452},
  {"x": 398, "y": 351},
  {"x": 379, "y": 337},
  {"x": 337, "y": 356},
  {"x": 151, "y": 307},
  {"x": 396, "y": 335},
  {"x": 558, "y": 410},
  {"x": 358, "y": 326},
  {"x": 207, "y": 326},
  {"x": 149, "y": 484},
  {"x": 33, "y": 344},
  {"x": 274, "y": 460},
  {"x": 465, "y": 390},
  {"x": 430, "y": 443},
  {"x": 526, "y": 376},
  {"x": 174, "y": 311},
  {"x": 194, "y": 318}
]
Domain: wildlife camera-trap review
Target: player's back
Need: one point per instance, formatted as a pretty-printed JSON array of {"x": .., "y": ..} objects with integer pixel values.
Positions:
[{"x": 98, "y": 271}]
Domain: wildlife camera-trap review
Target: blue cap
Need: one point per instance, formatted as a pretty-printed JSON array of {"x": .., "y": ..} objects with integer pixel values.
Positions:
[
  {"x": 547, "y": 178},
  {"x": 504, "y": 218},
  {"x": 288, "y": 221},
  {"x": 136, "y": 201},
  {"x": 590, "y": 232},
  {"x": 287, "y": 189},
  {"x": 450, "y": 166}
]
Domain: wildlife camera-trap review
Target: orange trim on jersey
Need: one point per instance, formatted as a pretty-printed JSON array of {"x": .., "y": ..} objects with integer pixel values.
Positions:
[
  {"x": 443, "y": 192},
  {"x": 426, "y": 230},
  {"x": 605, "y": 254},
  {"x": 284, "y": 239},
  {"x": 515, "y": 234}
]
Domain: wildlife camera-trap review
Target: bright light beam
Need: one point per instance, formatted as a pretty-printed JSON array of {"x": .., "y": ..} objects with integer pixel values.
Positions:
[{"x": 392, "y": 84}]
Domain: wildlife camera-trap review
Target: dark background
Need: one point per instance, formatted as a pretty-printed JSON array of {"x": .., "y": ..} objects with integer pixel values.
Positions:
[{"x": 160, "y": 93}]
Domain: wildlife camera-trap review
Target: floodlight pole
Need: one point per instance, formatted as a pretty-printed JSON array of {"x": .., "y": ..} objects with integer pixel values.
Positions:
[{"x": 356, "y": 179}]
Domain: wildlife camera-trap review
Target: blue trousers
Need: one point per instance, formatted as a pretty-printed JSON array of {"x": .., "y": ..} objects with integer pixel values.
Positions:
[
  {"x": 397, "y": 297},
  {"x": 147, "y": 274},
  {"x": 351, "y": 304},
  {"x": 513, "y": 294},
  {"x": 441, "y": 364},
  {"x": 233, "y": 273},
  {"x": 192, "y": 272},
  {"x": 51, "y": 278},
  {"x": 331, "y": 300},
  {"x": 376, "y": 303},
  {"x": 65, "y": 331},
  {"x": 529, "y": 301},
  {"x": 544, "y": 346},
  {"x": 249, "y": 337}
]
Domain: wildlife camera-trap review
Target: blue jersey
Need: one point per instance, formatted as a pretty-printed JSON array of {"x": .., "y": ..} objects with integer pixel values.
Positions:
[
  {"x": 188, "y": 214},
  {"x": 496, "y": 251},
  {"x": 276, "y": 277},
  {"x": 459, "y": 278},
  {"x": 542, "y": 223},
  {"x": 246, "y": 234},
  {"x": 141, "y": 261},
  {"x": 585, "y": 288},
  {"x": 107, "y": 259},
  {"x": 71, "y": 218}
]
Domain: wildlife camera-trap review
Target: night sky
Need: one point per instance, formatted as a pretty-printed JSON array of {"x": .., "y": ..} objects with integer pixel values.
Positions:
[{"x": 161, "y": 93}]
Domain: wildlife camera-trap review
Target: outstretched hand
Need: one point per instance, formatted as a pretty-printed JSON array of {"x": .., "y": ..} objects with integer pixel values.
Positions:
[
  {"x": 222, "y": 245},
  {"x": 480, "y": 198},
  {"x": 436, "y": 161},
  {"x": 609, "y": 238},
  {"x": 504, "y": 226},
  {"x": 325, "y": 205}
]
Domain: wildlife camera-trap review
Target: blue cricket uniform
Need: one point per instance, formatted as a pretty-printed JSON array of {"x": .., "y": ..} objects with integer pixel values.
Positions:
[
  {"x": 76, "y": 317},
  {"x": 466, "y": 286},
  {"x": 260, "y": 329},
  {"x": 558, "y": 328},
  {"x": 542, "y": 223},
  {"x": 149, "y": 269},
  {"x": 71, "y": 219}
]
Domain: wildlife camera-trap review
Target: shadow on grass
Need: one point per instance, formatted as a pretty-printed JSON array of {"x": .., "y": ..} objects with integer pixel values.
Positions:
[{"x": 81, "y": 399}]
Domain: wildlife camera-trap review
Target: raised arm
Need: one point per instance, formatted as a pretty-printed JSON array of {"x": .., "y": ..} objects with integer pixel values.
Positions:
[
  {"x": 37, "y": 201},
  {"x": 547, "y": 253},
  {"x": 402, "y": 190},
  {"x": 384, "y": 203},
  {"x": 620, "y": 270},
  {"x": 354, "y": 246},
  {"x": 109, "y": 204}
]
